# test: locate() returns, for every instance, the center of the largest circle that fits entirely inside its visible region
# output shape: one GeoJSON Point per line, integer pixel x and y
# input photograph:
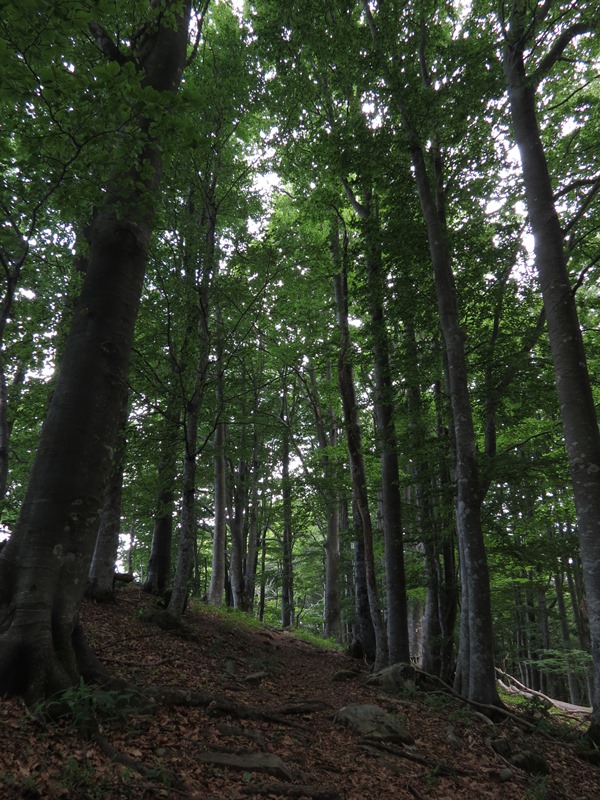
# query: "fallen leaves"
{"type": "Point", "coordinates": [284, 717]}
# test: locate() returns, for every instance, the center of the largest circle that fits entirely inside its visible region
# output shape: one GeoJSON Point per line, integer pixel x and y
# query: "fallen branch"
{"type": "Point", "coordinates": [522, 689]}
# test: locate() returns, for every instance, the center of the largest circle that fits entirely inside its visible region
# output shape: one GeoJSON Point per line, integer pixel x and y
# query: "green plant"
{"type": "Point", "coordinates": [539, 789]}
{"type": "Point", "coordinates": [318, 641]}
{"type": "Point", "coordinates": [85, 705]}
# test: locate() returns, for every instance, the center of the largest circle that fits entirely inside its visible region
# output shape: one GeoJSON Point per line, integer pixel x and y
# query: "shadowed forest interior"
{"type": "Point", "coordinates": [299, 316]}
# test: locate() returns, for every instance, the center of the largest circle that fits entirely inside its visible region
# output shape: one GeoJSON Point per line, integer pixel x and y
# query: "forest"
{"type": "Point", "coordinates": [299, 315]}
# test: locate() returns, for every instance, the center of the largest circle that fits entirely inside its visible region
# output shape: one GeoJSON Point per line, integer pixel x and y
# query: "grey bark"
{"type": "Point", "coordinates": [480, 683]}
{"type": "Point", "coordinates": [158, 574]}
{"type": "Point", "coordinates": [354, 442]}
{"type": "Point", "coordinates": [580, 424]}
{"type": "Point", "coordinates": [101, 576]}
{"type": "Point", "coordinates": [44, 566]}
{"type": "Point", "coordinates": [327, 438]}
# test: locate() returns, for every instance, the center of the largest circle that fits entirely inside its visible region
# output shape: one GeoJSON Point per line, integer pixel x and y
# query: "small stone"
{"type": "Point", "coordinates": [505, 775]}
{"type": "Point", "coordinates": [530, 762]}
{"type": "Point", "coordinates": [501, 746]}
{"type": "Point", "coordinates": [373, 722]}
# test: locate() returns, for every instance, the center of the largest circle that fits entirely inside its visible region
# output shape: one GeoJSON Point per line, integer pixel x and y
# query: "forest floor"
{"type": "Point", "coordinates": [266, 695]}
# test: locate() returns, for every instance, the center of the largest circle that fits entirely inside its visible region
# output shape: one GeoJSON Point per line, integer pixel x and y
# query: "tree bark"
{"type": "Point", "coordinates": [397, 609]}
{"type": "Point", "coordinates": [580, 424]}
{"type": "Point", "coordinates": [159, 565]}
{"type": "Point", "coordinates": [287, 572]}
{"type": "Point", "coordinates": [101, 576]}
{"type": "Point", "coordinates": [480, 683]}
{"type": "Point", "coordinates": [216, 588]}
{"type": "Point", "coordinates": [357, 466]}
{"type": "Point", "coordinates": [44, 566]}
{"type": "Point", "coordinates": [326, 439]}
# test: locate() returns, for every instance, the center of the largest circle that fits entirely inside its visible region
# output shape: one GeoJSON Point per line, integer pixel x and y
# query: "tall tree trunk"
{"type": "Point", "coordinates": [187, 529]}
{"type": "Point", "coordinates": [580, 424]}
{"type": "Point", "coordinates": [397, 609]}
{"type": "Point", "coordinates": [364, 639]}
{"type": "Point", "coordinates": [44, 566]}
{"type": "Point", "coordinates": [101, 576]}
{"type": "Point", "coordinates": [158, 574]}
{"type": "Point", "coordinates": [480, 683]}
{"type": "Point", "coordinates": [187, 526]}
{"type": "Point", "coordinates": [251, 562]}
{"type": "Point", "coordinates": [328, 439]}
{"type": "Point", "coordinates": [287, 574]}
{"type": "Point", "coordinates": [216, 588]}
{"type": "Point", "coordinates": [4, 435]}
{"type": "Point", "coordinates": [357, 465]}
{"type": "Point", "coordinates": [572, 682]}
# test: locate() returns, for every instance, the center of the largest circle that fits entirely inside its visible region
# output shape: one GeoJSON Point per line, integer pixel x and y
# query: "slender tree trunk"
{"type": "Point", "coordinates": [249, 578]}
{"type": "Point", "coordinates": [572, 682]}
{"type": "Point", "coordinates": [580, 424]}
{"type": "Point", "coordinates": [287, 574]}
{"type": "Point", "coordinates": [101, 576]}
{"type": "Point", "coordinates": [158, 574]}
{"type": "Point", "coordinates": [217, 581]}
{"type": "Point", "coordinates": [364, 639]}
{"type": "Point", "coordinates": [326, 440]}
{"type": "Point", "coordinates": [397, 609]}
{"type": "Point", "coordinates": [236, 513]}
{"type": "Point", "coordinates": [44, 566]}
{"type": "Point", "coordinates": [263, 574]}
{"type": "Point", "coordinates": [187, 528]}
{"type": "Point", "coordinates": [480, 683]}
{"type": "Point", "coordinates": [357, 466]}
{"type": "Point", "coordinates": [4, 434]}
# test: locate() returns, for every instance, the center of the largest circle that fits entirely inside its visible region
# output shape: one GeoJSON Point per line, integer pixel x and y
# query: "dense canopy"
{"type": "Point", "coordinates": [299, 315]}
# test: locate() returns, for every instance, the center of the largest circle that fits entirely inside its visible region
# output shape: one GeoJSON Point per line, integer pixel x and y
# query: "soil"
{"type": "Point", "coordinates": [260, 724]}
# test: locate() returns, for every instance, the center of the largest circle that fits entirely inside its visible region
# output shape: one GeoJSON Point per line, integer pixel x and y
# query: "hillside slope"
{"type": "Point", "coordinates": [263, 726]}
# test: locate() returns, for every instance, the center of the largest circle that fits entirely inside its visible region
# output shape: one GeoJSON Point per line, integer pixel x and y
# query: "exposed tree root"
{"type": "Point", "coordinates": [377, 748]}
{"type": "Point", "coordinates": [285, 790]}
{"type": "Point", "coordinates": [151, 773]}
{"type": "Point", "coordinates": [219, 706]}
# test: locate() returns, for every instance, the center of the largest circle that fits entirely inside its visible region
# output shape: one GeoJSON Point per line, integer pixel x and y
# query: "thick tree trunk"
{"type": "Point", "coordinates": [580, 424]}
{"type": "Point", "coordinates": [43, 568]}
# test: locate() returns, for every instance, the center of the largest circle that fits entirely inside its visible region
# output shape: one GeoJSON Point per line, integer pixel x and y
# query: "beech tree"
{"type": "Point", "coordinates": [580, 423]}
{"type": "Point", "coordinates": [43, 567]}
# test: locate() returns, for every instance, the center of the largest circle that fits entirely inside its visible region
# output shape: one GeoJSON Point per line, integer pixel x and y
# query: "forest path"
{"type": "Point", "coordinates": [266, 728]}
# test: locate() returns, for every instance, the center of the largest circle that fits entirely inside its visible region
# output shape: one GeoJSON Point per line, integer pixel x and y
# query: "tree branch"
{"type": "Point", "coordinates": [558, 48]}
{"type": "Point", "coordinates": [106, 45]}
